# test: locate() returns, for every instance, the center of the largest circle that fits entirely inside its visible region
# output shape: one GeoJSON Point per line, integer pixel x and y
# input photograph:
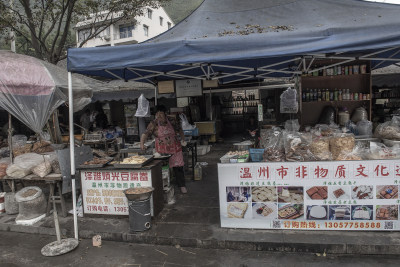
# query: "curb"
{"type": "Point", "coordinates": [270, 246]}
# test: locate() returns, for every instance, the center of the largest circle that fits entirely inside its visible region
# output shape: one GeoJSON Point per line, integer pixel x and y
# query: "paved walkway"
{"type": "Point", "coordinates": [193, 221]}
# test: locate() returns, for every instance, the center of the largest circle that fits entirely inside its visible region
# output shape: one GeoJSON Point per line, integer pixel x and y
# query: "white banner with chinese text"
{"type": "Point", "coordinates": [339, 195]}
{"type": "Point", "coordinates": [103, 190]}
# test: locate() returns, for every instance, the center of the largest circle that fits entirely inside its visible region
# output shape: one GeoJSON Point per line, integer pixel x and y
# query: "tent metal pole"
{"type": "Point", "coordinates": [155, 94]}
{"type": "Point", "coordinates": [72, 150]}
{"type": "Point", "coordinates": [10, 131]}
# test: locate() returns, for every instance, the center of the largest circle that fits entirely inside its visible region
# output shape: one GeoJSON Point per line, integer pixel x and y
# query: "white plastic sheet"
{"type": "Point", "coordinates": [31, 89]}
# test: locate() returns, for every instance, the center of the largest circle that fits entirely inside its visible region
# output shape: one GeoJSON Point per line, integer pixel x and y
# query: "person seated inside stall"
{"type": "Point", "coordinates": [166, 131]}
{"type": "Point", "coordinates": [252, 131]}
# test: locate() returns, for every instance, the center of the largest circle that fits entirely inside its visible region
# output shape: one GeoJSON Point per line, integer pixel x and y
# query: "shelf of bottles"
{"type": "Point", "coordinates": [313, 95]}
{"type": "Point", "coordinates": [240, 105]}
{"type": "Point", "coordinates": [340, 70]}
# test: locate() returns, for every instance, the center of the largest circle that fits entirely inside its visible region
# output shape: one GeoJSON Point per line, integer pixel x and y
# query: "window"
{"type": "Point", "coordinates": [125, 31]}
{"type": "Point", "coordinates": [161, 21]}
{"type": "Point", "coordinates": [84, 34]}
{"type": "Point", "coordinates": [149, 13]}
{"type": "Point", "coordinates": [169, 25]}
{"type": "Point", "coordinates": [146, 30]}
{"type": "Point", "coordinates": [105, 33]}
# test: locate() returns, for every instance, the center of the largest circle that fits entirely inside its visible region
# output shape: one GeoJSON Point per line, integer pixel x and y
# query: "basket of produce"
{"type": "Point", "coordinates": [138, 193]}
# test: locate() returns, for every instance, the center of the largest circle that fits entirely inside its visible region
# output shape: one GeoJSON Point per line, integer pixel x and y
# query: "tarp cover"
{"type": "Point", "coordinates": [31, 89]}
{"type": "Point", "coordinates": [250, 33]}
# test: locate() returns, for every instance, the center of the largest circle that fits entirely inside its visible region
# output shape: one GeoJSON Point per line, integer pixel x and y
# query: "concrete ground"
{"type": "Point", "coordinates": [193, 221]}
{"type": "Point", "coordinates": [18, 250]}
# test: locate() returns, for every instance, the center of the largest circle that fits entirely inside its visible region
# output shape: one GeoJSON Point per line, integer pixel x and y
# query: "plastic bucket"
{"type": "Point", "coordinates": [139, 215]}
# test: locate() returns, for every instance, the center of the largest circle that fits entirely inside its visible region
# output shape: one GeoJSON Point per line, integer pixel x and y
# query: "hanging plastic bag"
{"type": "Point", "coordinates": [143, 109]}
{"type": "Point", "coordinates": [185, 123]}
{"type": "Point", "coordinates": [289, 102]}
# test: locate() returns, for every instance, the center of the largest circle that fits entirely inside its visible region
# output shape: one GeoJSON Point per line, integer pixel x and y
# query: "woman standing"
{"type": "Point", "coordinates": [166, 132]}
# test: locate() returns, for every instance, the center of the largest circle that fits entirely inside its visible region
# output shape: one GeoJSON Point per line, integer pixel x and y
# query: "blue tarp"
{"type": "Point", "coordinates": [252, 33]}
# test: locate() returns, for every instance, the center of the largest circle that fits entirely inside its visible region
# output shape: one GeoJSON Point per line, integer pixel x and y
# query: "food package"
{"type": "Point", "coordinates": [297, 146]}
{"type": "Point", "coordinates": [292, 125]}
{"type": "Point", "coordinates": [364, 127]}
{"type": "Point", "coordinates": [24, 164]}
{"type": "Point", "coordinates": [16, 171]}
{"type": "Point", "coordinates": [42, 169]}
{"type": "Point", "coordinates": [42, 147]}
{"type": "Point", "coordinates": [325, 130]}
{"type": "Point", "coordinates": [380, 151]}
{"type": "Point", "coordinates": [320, 148]}
{"type": "Point", "coordinates": [358, 153]}
{"type": "Point", "coordinates": [4, 163]}
{"type": "Point", "coordinates": [275, 150]}
{"type": "Point", "coordinates": [389, 130]}
{"type": "Point", "coordinates": [341, 144]}
{"type": "Point", "coordinates": [328, 115]}
{"type": "Point", "coordinates": [19, 150]}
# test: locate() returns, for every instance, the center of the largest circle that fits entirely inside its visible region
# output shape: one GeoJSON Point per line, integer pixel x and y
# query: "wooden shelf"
{"type": "Point", "coordinates": [350, 76]}
{"type": "Point", "coordinates": [357, 83]}
{"type": "Point", "coordinates": [332, 102]}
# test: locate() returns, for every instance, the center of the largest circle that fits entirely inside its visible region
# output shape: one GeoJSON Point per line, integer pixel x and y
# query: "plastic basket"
{"type": "Point", "coordinates": [256, 154]}
{"type": "Point", "coordinates": [193, 132]}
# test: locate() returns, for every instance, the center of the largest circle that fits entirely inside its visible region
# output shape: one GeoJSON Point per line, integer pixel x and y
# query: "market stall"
{"type": "Point", "coordinates": [103, 184]}
{"type": "Point", "coordinates": [339, 32]}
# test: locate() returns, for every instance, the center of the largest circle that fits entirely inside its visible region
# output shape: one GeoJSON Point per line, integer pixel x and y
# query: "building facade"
{"type": "Point", "coordinates": [152, 23]}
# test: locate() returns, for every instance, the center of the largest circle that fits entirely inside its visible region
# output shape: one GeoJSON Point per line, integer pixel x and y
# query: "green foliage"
{"type": "Point", "coordinates": [43, 28]}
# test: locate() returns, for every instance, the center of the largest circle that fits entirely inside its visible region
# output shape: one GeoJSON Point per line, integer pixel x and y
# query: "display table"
{"type": "Point", "coordinates": [323, 195]}
{"type": "Point", "coordinates": [53, 180]}
{"type": "Point", "coordinates": [104, 142]}
{"type": "Point", "coordinates": [102, 188]}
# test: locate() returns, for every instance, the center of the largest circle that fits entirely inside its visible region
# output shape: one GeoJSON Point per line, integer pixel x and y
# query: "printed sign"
{"type": "Point", "coordinates": [341, 195]}
{"type": "Point", "coordinates": [190, 87]}
{"type": "Point", "coordinates": [103, 190]}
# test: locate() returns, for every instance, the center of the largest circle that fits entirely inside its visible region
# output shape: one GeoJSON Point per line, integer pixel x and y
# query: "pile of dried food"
{"type": "Point", "coordinates": [97, 161]}
{"type": "Point", "coordinates": [135, 160]}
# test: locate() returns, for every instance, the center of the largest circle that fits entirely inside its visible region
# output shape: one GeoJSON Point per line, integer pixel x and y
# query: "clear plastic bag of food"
{"type": "Point", "coordinates": [358, 153]}
{"type": "Point", "coordinates": [380, 151]}
{"type": "Point", "coordinates": [341, 143]}
{"type": "Point", "coordinates": [275, 150]}
{"type": "Point", "coordinates": [389, 130]}
{"type": "Point", "coordinates": [364, 128]}
{"type": "Point", "coordinates": [297, 146]}
{"type": "Point", "coordinates": [292, 125]}
{"type": "Point", "coordinates": [320, 147]}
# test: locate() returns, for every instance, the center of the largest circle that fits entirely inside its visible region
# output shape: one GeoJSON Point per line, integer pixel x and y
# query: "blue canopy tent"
{"type": "Point", "coordinates": [237, 40]}
{"type": "Point", "coordinates": [234, 40]}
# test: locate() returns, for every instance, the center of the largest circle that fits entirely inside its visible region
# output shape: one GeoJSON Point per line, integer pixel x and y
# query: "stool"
{"type": "Point", "coordinates": [56, 199]}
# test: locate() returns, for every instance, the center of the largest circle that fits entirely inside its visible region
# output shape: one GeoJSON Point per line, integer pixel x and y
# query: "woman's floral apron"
{"type": "Point", "coordinates": [167, 143]}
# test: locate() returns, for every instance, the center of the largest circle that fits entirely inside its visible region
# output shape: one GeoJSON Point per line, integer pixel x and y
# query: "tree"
{"type": "Point", "coordinates": [43, 28]}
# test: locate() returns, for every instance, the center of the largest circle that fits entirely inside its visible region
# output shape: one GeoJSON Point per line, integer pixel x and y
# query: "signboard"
{"type": "Point", "coordinates": [260, 112]}
{"type": "Point", "coordinates": [210, 83]}
{"type": "Point", "coordinates": [340, 195]}
{"type": "Point", "coordinates": [166, 87]}
{"type": "Point", "coordinates": [190, 87]}
{"type": "Point", "coordinates": [103, 190]}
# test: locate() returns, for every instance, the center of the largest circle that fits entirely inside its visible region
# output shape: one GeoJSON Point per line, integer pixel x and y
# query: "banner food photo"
{"type": "Point", "coordinates": [350, 195]}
